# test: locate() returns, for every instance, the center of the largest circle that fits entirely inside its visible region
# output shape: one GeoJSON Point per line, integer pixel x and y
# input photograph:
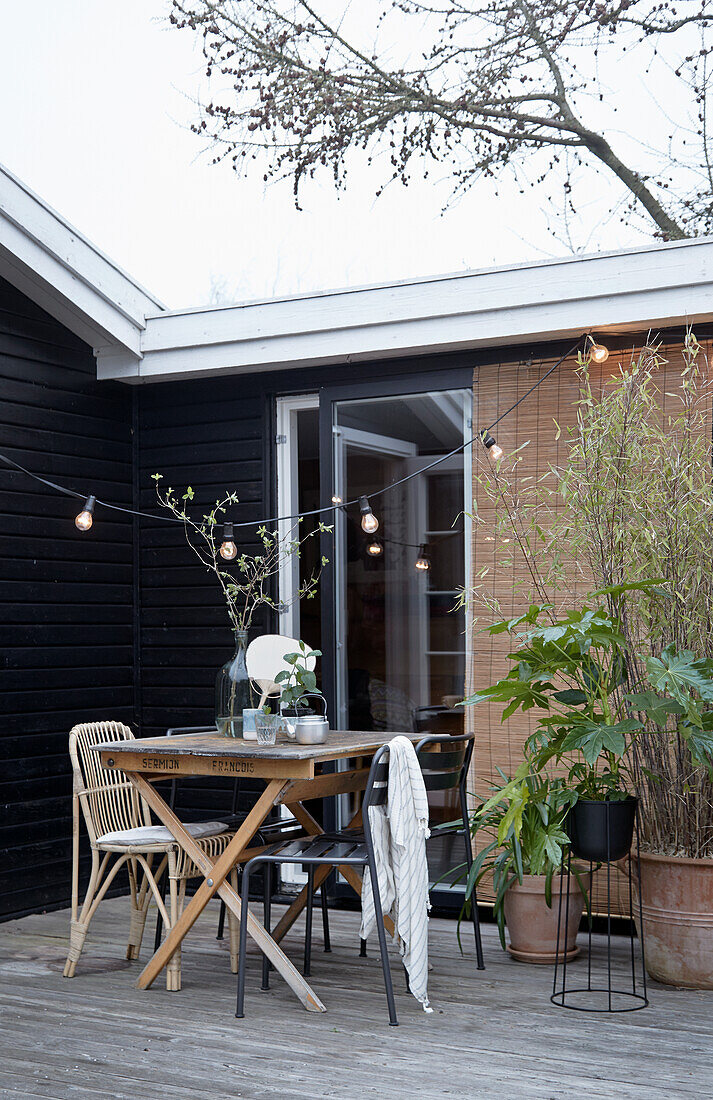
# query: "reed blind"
{"type": "Point", "coordinates": [507, 582]}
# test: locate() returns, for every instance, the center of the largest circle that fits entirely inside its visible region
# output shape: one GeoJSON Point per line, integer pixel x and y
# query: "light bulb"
{"type": "Point", "coordinates": [228, 550]}
{"type": "Point", "coordinates": [423, 562]}
{"type": "Point", "coordinates": [337, 500]}
{"type": "Point", "coordinates": [599, 353]}
{"type": "Point", "coordinates": [369, 522]}
{"type": "Point", "coordinates": [85, 518]}
{"type": "Point", "coordinates": [374, 548]}
{"type": "Point", "coordinates": [494, 452]}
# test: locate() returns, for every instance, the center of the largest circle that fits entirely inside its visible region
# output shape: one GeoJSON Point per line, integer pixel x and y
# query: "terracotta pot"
{"type": "Point", "coordinates": [533, 925]}
{"type": "Point", "coordinates": [677, 906]}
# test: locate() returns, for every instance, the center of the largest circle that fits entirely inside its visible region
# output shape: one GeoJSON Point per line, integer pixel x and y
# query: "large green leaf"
{"type": "Point", "coordinates": [571, 697]}
{"type": "Point", "coordinates": [635, 586]}
{"type": "Point", "coordinates": [700, 744]}
{"type": "Point", "coordinates": [655, 706]}
{"type": "Point", "coordinates": [511, 823]}
{"type": "Point", "coordinates": [592, 738]}
{"type": "Point", "coordinates": [676, 672]}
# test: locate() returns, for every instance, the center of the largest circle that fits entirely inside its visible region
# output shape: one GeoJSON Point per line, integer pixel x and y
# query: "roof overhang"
{"type": "Point", "coordinates": [656, 287]}
{"type": "Point", "coordinates": [62, 272]}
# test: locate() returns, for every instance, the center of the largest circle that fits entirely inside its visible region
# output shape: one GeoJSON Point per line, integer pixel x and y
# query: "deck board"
{"type": "Point", "coordinates": [492, 1034]}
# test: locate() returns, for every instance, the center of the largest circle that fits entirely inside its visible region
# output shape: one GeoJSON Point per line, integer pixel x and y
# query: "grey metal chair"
{"type": "Point", "coordinates": [356, 850]}
{"type": "Point", "coordinates": [445, 762]}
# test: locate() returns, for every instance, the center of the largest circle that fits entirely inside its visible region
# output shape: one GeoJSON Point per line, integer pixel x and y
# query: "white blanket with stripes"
{"type": "Point", "coordinates": [400, 829]}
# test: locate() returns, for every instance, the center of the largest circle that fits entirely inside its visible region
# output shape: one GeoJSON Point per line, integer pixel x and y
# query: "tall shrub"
{"type": "Point", "coordinates": [638, 493]}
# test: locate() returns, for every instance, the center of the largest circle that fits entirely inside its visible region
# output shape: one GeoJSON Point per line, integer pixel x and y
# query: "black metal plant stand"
{"type": "Point", "coordinates": [600, 994]}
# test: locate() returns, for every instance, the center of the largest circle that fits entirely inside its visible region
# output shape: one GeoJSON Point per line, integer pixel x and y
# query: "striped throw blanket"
{"type": "Point", "coordinates": [400, 830]}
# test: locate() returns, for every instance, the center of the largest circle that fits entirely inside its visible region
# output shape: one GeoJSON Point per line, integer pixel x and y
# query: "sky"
{"type": "Point", "coordinates": [97, 99]}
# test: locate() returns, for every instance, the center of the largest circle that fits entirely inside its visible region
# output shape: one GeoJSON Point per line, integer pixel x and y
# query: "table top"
{"type": "Point", "coordinates": [338, 743]}
{"type": "Point", "coordinates": [200, 752]}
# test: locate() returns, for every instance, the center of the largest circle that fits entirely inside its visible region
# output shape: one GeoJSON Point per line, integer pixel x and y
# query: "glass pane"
{"type": "Point", "coordinates": [401, 651]}
{"type": "Point", "coordinates": [310, 611]}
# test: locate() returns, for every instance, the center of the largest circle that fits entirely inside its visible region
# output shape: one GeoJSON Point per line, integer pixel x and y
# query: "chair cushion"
{"type": "Point", "coordinates": [159, 834]}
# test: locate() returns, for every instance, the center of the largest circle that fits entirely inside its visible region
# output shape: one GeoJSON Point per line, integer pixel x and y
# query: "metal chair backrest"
{"type": "Point", "coordinates": [445, 760]}
{"type": "Point", "coordinates": [109, 801]}
{"type": "Point", "coordinates": [376, 791]}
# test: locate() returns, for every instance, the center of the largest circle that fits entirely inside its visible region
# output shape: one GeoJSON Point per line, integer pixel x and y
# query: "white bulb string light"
{"type": "Point", "coordinates": [86, 517]}
{"type": "Point", "coordinates": [367, 516]}
{"type": "Point", "coordinates": [423, 561]}
{"type": "Point", "coordinates": [228, 550]}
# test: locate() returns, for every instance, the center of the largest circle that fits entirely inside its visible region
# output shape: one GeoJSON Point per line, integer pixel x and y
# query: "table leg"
{"type": "Point", "coordinates": [214, 882]}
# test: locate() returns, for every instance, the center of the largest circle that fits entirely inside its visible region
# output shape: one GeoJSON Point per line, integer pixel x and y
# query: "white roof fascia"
{"type": "Point", "coordinates": [62, 272]}
{"type": "Point", "coordinates": [653, 287]}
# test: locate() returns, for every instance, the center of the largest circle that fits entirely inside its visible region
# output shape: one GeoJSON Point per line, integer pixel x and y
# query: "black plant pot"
{"type": "Point", "coordinates": [601, 832]}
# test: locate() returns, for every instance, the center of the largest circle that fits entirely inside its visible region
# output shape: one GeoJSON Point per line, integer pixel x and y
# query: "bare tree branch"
{"type": "Point", "coordinates": [476, 85]}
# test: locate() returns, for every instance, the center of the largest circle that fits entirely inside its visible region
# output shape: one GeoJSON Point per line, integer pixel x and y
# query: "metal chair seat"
{"type": "Point", "coordinates": [318, 850]}
{"type": "Point", "coordinates": [447, 829]}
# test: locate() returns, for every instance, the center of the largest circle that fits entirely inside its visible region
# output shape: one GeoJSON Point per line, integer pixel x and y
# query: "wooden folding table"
{"type": "Point", "coordinates": [292, 773]}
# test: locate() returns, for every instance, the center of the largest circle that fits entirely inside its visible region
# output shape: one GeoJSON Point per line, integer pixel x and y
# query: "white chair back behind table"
{"type": "Point", "coordinates": [265, 658]}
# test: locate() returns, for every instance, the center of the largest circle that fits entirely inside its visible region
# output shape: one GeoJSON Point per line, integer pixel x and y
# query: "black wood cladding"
{"type": "Point", "coordinates": [120, 622]}
{"type": "Point", "coordinates": [66, 598]}
{"type": "Point", "coordinates": [213, 436]}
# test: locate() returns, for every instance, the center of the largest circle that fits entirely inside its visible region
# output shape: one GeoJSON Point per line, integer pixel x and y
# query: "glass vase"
{"type": "Point", "coordinates": [233, 693]}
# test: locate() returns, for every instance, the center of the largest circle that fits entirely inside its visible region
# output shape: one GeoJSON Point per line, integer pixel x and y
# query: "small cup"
{"type": "Point", "coordinates": [266, 726]}
{"type": "Point", "coordinates": [249, 733]}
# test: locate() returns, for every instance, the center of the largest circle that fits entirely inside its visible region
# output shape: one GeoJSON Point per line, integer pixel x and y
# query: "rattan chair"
{"type": "Point", "coordinates": [113, 810]}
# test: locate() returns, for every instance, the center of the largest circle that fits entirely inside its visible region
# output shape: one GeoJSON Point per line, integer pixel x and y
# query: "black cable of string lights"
{"type": "Point", "coordinates": [482, 435]}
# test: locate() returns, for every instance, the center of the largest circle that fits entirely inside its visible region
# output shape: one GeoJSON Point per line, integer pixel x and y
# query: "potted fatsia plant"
{"type": "Point", "coordinates": [570, 668]}
{"type": "Point", "coordinates": [574, 669]}
{"type": "Point", "coordinates": [246, 582]}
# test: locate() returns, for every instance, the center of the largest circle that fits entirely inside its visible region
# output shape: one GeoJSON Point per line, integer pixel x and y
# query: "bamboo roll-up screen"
{"type": "Point", "coordinates": [540, 422]}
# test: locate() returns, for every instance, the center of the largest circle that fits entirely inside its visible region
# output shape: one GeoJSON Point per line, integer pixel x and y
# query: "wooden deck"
{"type": "Point", "coordinates": [492, 1034]}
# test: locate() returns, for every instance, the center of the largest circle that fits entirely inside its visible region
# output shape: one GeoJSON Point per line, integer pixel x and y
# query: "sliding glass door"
{"type": "Point", "coordinates": [393, 638]}
{"type": "Point", "coordinates": [400, 651]}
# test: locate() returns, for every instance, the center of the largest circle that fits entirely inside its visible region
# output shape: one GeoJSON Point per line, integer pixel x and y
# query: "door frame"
{"type": "Point", "coordinates": [286, 464]}
{"type": "Point", "coordinates": [451, 378]}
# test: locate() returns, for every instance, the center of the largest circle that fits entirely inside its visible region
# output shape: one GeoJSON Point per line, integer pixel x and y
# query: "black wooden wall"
{"type": "Point", "coordinates": [213, 438]}
{"type": "Point", "coordinates": [66, 598]}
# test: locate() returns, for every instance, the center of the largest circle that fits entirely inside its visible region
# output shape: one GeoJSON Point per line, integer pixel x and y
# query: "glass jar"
{"type": "Point", "coordinates": [233, 692]}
